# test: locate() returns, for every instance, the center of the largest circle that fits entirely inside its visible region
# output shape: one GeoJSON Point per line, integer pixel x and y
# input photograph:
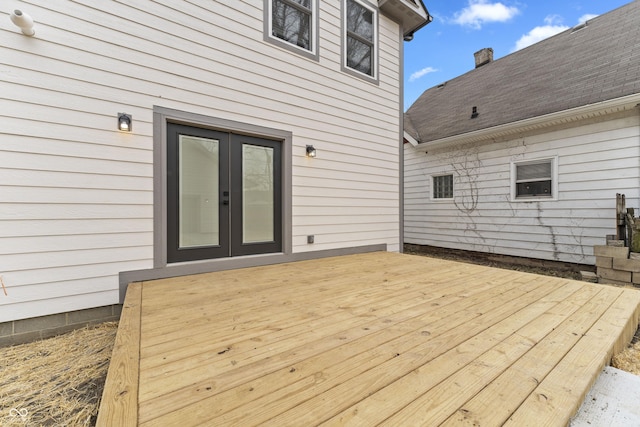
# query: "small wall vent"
{"type": "Point", "coordinates": [579, 27]}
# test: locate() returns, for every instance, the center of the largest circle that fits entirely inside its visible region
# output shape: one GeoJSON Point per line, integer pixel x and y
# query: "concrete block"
{"type": "Point", "coordinates": [40, 323]}
{"type": "Point", "coordinates": [6, 329]}
{"type": "Point", "coordinates": [20, 338]}
{"type": "Point", "coordinates": [611, 251]}
{"type": "Point", "coordinates": [90, 315]}
{"type": "Point", "coordinates": [57, 331]}
{"type": "Point", "coordinates": [635, 277]}
{"type": "Point", "coordinates": [117, 310]}
{"type": "Point", "coordinates": [605, 261]}
{"type": "Point", "coordinates": [634, 255]}
{"type": "Point", "coordinates": [617, 275]}
{"type": "Point", "coordinates": [616, 243]}
{"type": "Point", "coordinates": [626, 264]}
{"type": "Point", "coordinates": [589, 276]}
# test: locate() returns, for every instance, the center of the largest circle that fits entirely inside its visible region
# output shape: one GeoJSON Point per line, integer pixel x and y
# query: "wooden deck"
{"type": "Point", "coordinates": [362, 340]}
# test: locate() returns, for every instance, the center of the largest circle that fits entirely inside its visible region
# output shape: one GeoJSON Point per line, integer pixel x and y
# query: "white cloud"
{"type": "Point", "coordinates": [553, 20]}
{"type": "Point", "coordinates": [480, 12]}
{"type": "Point", "coordinates": [587, 17]}
{"type": "Point", "coordinates": [421, 73]}
{"type": "Point", "coordinates": [553, 25]}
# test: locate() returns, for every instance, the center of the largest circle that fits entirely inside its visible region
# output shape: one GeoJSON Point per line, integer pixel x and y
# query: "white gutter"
{"type": "Point", "coordinates": [552, 119]}
{"type": "Point", "coordinates": [410, 139]}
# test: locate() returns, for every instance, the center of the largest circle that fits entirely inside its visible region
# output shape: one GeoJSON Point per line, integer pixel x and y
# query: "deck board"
{"type": "Point", "coordinates": [370, 339]}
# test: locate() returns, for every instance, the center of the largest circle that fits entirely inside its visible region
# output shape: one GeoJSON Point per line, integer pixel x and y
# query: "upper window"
{"type": "Point", "coordinates": [292, 24]}
{"type": "Point", "coordinates": [360, 37]}
{"type": "Point", "coordinates": [534, 179]}
{"type": "Point", "coordinates": [443, 187]}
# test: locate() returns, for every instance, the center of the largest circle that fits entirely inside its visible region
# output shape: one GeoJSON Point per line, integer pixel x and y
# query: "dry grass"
{"type": "Point", "coordinates": [629, 359]}
{"type": "Point", "coordinates": [57, 381]}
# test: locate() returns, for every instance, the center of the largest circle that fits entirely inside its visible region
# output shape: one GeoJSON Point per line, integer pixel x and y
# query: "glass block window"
{"type": "Point", "coordinates": [443, 187]}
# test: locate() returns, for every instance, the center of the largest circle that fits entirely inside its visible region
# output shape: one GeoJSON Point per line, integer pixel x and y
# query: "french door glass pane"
{"type": "Point", "coordinates": [198, 191]}
{"type": "Point", "coordinates": [257, 194]}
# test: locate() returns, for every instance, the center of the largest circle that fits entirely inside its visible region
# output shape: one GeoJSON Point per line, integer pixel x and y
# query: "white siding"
{"type": "Point", "coordinates": [76, 196]}
{"type": "Point", "coordinates": [596, 160]}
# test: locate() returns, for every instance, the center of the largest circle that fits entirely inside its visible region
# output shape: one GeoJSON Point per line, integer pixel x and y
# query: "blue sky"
{"type": "Point", "coordinates": [444, 49]}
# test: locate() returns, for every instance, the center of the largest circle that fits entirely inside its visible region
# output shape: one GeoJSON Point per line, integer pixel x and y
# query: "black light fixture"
{"type": "Point", "coordinates": [311, 152]}
{"type": "Point", "coordinates": [125, 122]}
{"type": "Point", "coordinates": [474, 112]}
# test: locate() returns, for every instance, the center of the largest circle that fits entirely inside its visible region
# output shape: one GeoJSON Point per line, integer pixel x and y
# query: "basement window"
{"type": "Point", "coordinates": [442, 187]}
{"type": "Point", "coordinates": [534, 179]}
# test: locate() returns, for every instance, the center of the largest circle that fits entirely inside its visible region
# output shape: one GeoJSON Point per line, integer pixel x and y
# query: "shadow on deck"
{"type": "Point", "coordinates": [378, 338]}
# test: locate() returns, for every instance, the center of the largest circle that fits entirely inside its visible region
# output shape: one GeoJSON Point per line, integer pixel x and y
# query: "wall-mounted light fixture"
{"type": "Point", "coordinates": [22, 21]}
{"type": "Point", "coordinates": [125, 122]}
{"type": "Point", "coordinates": [311, 152]}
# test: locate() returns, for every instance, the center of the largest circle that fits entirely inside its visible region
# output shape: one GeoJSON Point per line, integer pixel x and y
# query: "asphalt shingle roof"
{"type": "Point", "coordinates": [577, 67]}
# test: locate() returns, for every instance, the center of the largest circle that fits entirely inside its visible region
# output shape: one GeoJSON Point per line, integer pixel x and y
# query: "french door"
{"type": "Point", "coordinates": [224, 194]}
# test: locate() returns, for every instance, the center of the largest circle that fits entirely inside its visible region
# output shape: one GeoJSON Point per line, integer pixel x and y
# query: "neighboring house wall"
{"type": "Point", "coordinates": [595, 160]}
{"type": "Point", "coordinates": [76, 196]}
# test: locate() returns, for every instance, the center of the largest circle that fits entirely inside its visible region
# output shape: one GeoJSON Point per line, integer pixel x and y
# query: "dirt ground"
{"type": "Point", "coordinates": [59, 381]}
{"type": "Point", "coordinates": [537, 266]}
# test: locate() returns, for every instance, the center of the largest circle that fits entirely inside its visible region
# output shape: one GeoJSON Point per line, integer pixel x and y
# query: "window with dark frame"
{"type": "Point", "coordinates": [292, 21]}
{"type": "Point", "coordinates": [443, 187]}
{"type": "Point", "coordinates": [534, 179]}
{"type": "Point", "coordinates": [360, 27]}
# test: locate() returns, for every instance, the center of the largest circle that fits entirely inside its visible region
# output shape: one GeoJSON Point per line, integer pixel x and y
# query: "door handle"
{"type": "Point", "coordinates": [225, 197]}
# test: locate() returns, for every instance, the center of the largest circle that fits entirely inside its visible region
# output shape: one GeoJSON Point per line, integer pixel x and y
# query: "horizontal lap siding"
{"type": "Point", "coordinates": [596, 160]}
{"type": "Point", "coordinates": [76, 201]}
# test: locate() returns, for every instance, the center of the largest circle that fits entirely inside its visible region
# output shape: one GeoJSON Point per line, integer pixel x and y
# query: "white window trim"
{"type": "Point", "coordinates": [312, 53]}
{"type": "Point", "coordinates": [432, 188]}
{"type": "Point", "coordinates": [554, 180]}
{"type": "Point", "coordinates": [373, 78]}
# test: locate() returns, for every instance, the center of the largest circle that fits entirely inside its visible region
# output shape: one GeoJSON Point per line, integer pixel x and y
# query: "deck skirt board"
{"type": "Point", "coordinates": [368, 339]}
{"type": "Point", "coordinates": [121, 408]}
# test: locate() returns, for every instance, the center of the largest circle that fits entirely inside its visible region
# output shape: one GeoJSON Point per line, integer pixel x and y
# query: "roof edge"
{"type": "Point", "coordinates": [565, 116]}
{"type": "Point", "coordinates": [411, 14]}
{"type": "Point", "coordinates": [410, 139]}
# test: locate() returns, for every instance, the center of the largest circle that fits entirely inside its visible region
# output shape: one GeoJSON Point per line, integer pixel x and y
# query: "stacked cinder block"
{"type": "Point", "coordinates": [617, 266]}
